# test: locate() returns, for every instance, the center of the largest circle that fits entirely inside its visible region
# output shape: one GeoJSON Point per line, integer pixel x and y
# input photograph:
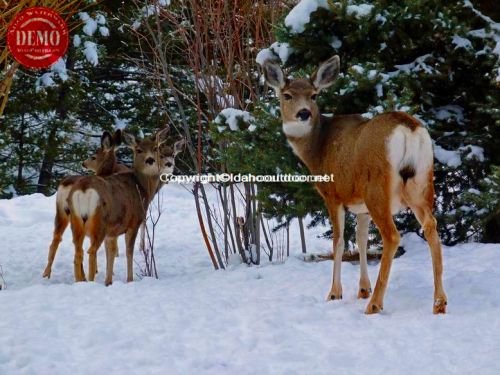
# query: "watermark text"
{"type": "Point", "coordinates": [240, 177]}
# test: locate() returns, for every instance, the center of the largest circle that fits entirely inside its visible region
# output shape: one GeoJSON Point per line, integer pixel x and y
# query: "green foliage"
{"type": "Point", "coordinates": [264, 151]}
{"type": "Point", "coordinates": [416, 56]}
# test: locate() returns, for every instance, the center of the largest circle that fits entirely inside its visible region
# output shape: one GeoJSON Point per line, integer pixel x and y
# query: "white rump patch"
{"type": "Point", "coordinates": [410, 148]}
{"type": "Point", "coordinates": [297, 128]}
{"type": "Point", "coordinates": [85, 202]}
{"type": "Point", "coordinates": [62, 197]}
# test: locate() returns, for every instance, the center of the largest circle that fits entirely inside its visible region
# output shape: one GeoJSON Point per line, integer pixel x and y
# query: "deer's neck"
{"type": "Point", "coordinates": [148, 186]}
{"type": "Point", "coordinates": [308, 147]}
{"type": "Point", "coordinates": [108, 167]}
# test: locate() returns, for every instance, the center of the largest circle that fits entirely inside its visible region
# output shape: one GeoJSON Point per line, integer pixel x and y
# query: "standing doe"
{"type": "Point", "coordinates": [102, 163]}
{"type": "Point", "coordinates": [380, 166]}
{"type": "Point", "coordinates": [103, 208]}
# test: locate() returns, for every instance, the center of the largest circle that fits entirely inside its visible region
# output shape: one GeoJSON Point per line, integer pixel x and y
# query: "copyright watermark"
{"type": "Point", "coordinates": [230, 177]}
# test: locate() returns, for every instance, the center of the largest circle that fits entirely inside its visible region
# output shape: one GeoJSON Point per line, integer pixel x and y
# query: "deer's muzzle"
{"type": "Point", "coordinates": [304, 114]}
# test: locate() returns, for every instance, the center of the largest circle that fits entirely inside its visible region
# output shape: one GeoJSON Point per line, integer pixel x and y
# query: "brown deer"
{"type": "Point", "coordinates": [380, 166]}
{"type": "Point", "coordinates": [102, 163]}
{"type": "Point", "coordinates": [103, 208]}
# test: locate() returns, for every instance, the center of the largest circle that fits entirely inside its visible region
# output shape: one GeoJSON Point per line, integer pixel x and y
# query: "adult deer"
{"type": "Point", "coordinates": [106, 207]}
{"type": "Point", "coordinates": [380, 166]}
{"type": "Point", "coordinates": [102, 163]}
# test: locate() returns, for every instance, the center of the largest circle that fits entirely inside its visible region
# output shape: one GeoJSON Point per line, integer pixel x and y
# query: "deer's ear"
{"type": "Point", "coordinates": [326, 73]}
{"type": "Point", "coordinates": [128, 139]}
{"type": "Point", "coordinates": [106, 141]}
{"type": "Point", "coordinates": [179, 146]}
{"type": "Point", "coordinates": [161, 135]}
{"type": "Point", "coordinates": [274, 75]}
{"type": "Point", "coordinates": [117, 138]}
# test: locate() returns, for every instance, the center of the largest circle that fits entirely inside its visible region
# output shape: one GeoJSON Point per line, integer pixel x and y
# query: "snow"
{"type": "Point", "coordinates": [208, 83]}
{"type": "Point", "coordinates": [359, 11]}
{"type": "Point", "coordinates": [225, 101]}
{"type": "Point", "coordinates": [271, 319]}
{"type": "Point", "coordinates": [212, 85]}
{"type": "Point", "coordinates": [380, 18]}
{"type": "Point", "coordinates": [474, 152]}
{"type": "Point", "coordinates": [120, 123]}
{"type": "Point", "coordinates": [104, 31]}
{"type": "Point", "coordinates": [45, 80]}
{"type": "Point", "coordinates": [231, 117]}
{"type": "Point", "coordinates": [450, 158]}
{"type": "Point", "coordinates": [100, 19]}
{"type": "Point", "coordinates": [277, 49]}
{"type": "Point", "coordinates": [493, 34]}
{"type": "Point", "coordinates": [358, 69]}
{"type": "Point", "coordinates": [149, 10]}
{"type": "Point", "coordinates": [336, 42]}
{"type": "Point", "coordinates": [90, 25]}
{"type": "Point", "coordinates": [77, 40]}
{"type": "Point", "coordinates": [417, 65]}
{"type": "Point", "coordinates": [450, 112]}
{"type": "Point", "coordinates": [461, 42]}
{"type": "Point", "coordinates": [300, 15]}
{"type": "Point", "coordinates": [59, 67]}
{"type": "Point", "coordinates": [90, 52]}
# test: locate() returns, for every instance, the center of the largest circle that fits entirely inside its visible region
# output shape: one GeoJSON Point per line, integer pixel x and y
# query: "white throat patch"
{"type": "Point", "coordinates": [297, 128]}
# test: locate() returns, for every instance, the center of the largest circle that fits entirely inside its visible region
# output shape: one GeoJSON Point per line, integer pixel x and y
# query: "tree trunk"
{"type": "Point", "coordinates": [302, 236]}
{"type": "Point", "coordinates": [51, 151]}
{"type": "Point", "coordinates": [287, 239]}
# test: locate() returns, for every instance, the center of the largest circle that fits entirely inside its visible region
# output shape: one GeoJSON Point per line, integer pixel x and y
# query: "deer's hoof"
{"type": "Point", "coordinates": [373, 308]}
{"type": "Point", "coordinates": [334, 295]}
{"type": "Point", "coordinates": [364, 292]}
{"type": "Point", "coordinates": [439, 306]}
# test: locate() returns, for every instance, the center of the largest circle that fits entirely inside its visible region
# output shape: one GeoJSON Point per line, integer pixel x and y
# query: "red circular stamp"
{"type": "Point", "coordinates": [37, 37]}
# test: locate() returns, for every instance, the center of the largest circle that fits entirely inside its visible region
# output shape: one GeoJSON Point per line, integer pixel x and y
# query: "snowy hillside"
{"type": "Point", "coordinates": [271, 319]}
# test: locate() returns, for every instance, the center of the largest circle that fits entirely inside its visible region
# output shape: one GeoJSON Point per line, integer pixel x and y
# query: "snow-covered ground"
{"type": "Point", "coordinates": [271, 319]}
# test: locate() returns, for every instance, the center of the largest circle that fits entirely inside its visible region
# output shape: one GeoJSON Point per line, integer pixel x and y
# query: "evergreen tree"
{"type": "Point", "coordinates": [436, 60]}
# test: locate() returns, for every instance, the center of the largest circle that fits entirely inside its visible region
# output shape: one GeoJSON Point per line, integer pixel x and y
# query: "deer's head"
{"type": "Point", "coordinates": [299, 110]}
{"type": "Point", "coordinates": [168, 154]}
{"type": "Point", "coordinates": [104, 159]}
{"type": "Point", "coordinates": [147, 157]}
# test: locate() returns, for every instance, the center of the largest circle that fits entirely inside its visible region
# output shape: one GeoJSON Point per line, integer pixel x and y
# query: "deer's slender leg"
{"type": "Point", "coordinates": [130, 237]}
{"type": "Point", "coordinates": [77, 227]}
{"type": "Point", "coordinates": [61, 221]}
{"type": "Point", "coordinates": [363, 222]}
{"type": "Point", "coordinates": [378, 201]}
{"type": "Point", "coordinates": [111, 248]}
{"type": "Point", "coordinates": [337, 217]}
{"type": "Point", "coordinates": [422, 208]}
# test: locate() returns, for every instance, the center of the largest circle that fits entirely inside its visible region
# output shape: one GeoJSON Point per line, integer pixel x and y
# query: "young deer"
{"type": "Point", "coordinates": [106, 207]}
{"type": "Point", "coordinates": [102, 163]}
{"type": "Point", "coordinates": [380, 166]}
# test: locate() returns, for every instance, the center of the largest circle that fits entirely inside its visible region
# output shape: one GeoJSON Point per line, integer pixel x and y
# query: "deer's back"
{"type": "Point", "coordinates": [356, 153]}
{"type": "Point", "coordinates": [121, 200]}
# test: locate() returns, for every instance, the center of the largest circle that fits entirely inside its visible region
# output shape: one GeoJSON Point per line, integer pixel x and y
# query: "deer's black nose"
{"type": "Point", "coordinates": [150, 161]}
{"type": "Point", "coordinates": [304, 114]}
{"type": "Point", "coordinates": [168, 164]}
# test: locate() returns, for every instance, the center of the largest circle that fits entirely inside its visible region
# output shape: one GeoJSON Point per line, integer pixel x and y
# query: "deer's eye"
{"type": "Point", "coordinates": [93, 158]}
{"type": "Point", "coordinates": [287, 96]}
{"type": "Point", "coordinates": [313, 97]}
{"type": "Point", "coordinates": [138, 150]}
